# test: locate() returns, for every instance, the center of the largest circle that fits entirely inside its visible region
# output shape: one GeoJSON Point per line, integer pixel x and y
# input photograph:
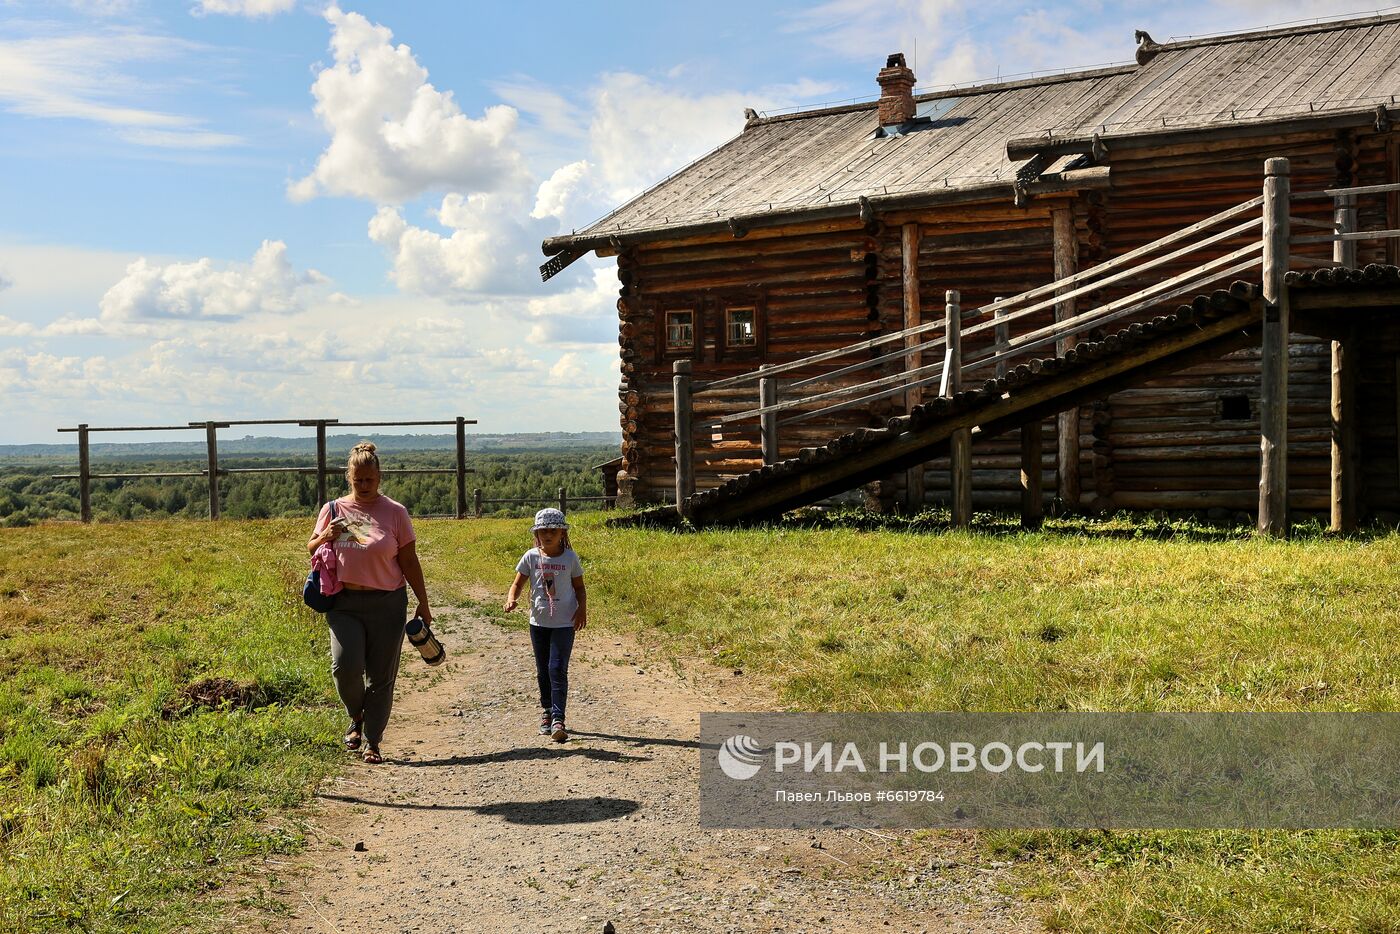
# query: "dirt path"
{"type": "Point", "coordinates": [477, 824]}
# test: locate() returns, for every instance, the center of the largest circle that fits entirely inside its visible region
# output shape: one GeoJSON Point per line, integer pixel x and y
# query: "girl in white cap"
{"type": "Point", "coordinates": [558, 609]}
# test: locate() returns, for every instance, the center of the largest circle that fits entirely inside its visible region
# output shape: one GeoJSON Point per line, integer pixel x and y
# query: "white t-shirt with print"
{"type": "Point", "coordinates": [552, 599]}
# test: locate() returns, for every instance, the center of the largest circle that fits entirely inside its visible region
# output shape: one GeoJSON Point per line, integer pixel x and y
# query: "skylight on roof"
{"type": "Point", "coordinates": [936, 108]}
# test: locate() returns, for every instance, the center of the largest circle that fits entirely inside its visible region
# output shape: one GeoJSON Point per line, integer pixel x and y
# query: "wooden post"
{"type": "Point", "coordinates": [320, 462]}
{"type": "Point", "coordinates": [84, 474]}
{"type": "Point", "coordinates": [211, 439]}
{"type": "Point", "coordinates": [1032, 498]}
{"type": "Point", "coordinates": [913, 317]}
{"type": "Point", "coordinates": [685, 450]}
{"type": "Point", "coordinates": [476, 501]}
{"type": "Point", "coordinates": [563, 501]}
{"type": "Point", "coordinates": [461, 467]}
{"type": "Point", "coordinates": [960, 444]}
{"type": "Point", "coordinates": [1032, 485]}
{"type": "Point", "coordinates": [1344, 466]}
{"type": "Point", "coordinates": [768, 421]}
{"type": "Point", "coordinates": [1001, 332]}
{"type": "Point", "coordinates": [1066, 264]}
{"type": "Point", "coordinates": [1273, 418]}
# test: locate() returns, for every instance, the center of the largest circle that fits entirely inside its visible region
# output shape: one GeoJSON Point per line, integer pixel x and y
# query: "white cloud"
{"type": "Point", "coordinates": [393, 135]}
{"type": "Point", "coordinates": [868, 30]}
{"type": "Point", "coordinates": [492, 248]}
{"type": "Point", "coordinates": [249, 8]}
{"type": "Point", "coordinates": [201, 290]}
{"type": "Point", "coordinates": [84, 77]}
{"type": "Point", "coordinates": [9, 327]}
{"type": "Point", "coordinates": [554, 195]}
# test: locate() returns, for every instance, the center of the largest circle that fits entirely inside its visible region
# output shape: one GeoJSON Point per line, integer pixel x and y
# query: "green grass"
{"type": "Point", "coordinates": [118, 803]}
{"type": "Point", "coordinates": [1117, 615]}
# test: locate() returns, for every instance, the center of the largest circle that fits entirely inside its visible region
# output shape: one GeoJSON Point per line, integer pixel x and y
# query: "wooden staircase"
{"type": "Point", "coordinates": [1025, 369]}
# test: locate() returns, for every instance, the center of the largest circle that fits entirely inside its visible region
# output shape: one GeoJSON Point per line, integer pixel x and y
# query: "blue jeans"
{"type": "Point", "coordinates": [552, 647]}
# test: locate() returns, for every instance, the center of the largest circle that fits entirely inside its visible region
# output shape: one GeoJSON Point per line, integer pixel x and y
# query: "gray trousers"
{"type": "Point", "coordinates": [366, 638]}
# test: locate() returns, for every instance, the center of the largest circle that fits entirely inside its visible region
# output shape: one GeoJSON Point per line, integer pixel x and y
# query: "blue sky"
{"type": "Point", "coordinates": [273, 208]}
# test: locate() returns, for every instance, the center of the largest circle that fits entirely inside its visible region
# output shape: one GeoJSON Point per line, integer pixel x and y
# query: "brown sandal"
{"type": "Point", "coordinates": [353, 736]}
{"type": "Point", "coordinates": [372, 756]}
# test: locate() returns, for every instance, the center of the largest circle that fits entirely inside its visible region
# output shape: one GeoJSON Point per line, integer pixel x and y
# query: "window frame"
{"type": "Point", "coordinates": [676, 350]}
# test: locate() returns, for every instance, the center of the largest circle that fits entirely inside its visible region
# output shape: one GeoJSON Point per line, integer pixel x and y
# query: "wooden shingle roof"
{"type": "Point", "coordinates": [980, 138]}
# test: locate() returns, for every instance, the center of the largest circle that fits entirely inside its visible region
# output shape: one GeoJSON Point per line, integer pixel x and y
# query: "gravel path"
{"type": "Point", "coordinates": [475, 823]}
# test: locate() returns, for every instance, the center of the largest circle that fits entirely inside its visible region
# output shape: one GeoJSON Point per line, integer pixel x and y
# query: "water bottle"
{"type": "Point", "coordinates": [424, 641]}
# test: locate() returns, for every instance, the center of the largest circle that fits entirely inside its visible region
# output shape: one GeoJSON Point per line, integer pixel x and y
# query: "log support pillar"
{"type": "Point", "coordinates": [1273, 418]}
{"type": "Point", "coordinates": [1032, 500]}
{"type": "Point", "coordinates": [685, 451]}
{"type": "Point", "coordinates": [909, 246]}
{"type": "Point", "coordinates": [960, 444]}
{"type": "Point", "coordinates": [211, 440]}
{"type": "Point", "coordinates": [1344, 414]}
{"type": "Point", "coordinates": [84, 474]}
{"type": "Point", "coordinates": [1067, 422]}
{"type": "Point", "coordinates": [768, 421]}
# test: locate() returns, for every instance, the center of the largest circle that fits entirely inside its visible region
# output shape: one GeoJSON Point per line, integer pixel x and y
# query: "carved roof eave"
{"type": "Point", "coordinates": [607, 243]}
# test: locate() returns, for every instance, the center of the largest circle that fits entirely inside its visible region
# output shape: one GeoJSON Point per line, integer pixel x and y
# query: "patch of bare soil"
{"type": "Point", "coordinates": [476, 823]}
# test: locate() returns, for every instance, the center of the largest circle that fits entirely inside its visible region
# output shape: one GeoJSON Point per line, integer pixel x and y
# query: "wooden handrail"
{"type": "Point", "coordinates": [1118, 277]}
{"type": "Point", "coordinates": [1118, 261]}
{"type": "Point", "coordinates": [1334, 192]}
{"type": "Point", "coordinates": [825, 355]}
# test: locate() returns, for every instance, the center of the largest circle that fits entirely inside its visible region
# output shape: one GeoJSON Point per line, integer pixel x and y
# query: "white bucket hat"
{"type": "Point", "coordinates": [549, 519]}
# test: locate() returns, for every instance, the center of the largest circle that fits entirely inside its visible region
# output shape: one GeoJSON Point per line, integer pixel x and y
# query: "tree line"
{"type": "Point", "coordinates": [28, 492]}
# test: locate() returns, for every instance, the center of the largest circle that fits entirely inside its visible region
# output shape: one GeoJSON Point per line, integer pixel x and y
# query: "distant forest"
{"type": "Point", "coordinates": [506, 470]}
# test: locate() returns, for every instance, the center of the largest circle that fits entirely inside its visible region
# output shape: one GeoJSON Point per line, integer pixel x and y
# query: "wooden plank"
{"type": "Point", "coordinates": [685, 449]}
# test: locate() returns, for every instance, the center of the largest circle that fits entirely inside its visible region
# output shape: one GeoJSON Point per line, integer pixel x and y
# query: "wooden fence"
{"type": "Point", "coordinates": [984, 341]}
{"type": "Point", "coordinates": [321, 471]}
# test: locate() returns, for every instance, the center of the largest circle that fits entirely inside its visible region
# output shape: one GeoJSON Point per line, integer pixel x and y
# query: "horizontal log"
{"type": "Point", "coordinates": [1244, 501]}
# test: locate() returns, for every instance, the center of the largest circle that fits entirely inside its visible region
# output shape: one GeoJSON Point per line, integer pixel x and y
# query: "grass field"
{"type": "Point", "coordinates": [120, 798]}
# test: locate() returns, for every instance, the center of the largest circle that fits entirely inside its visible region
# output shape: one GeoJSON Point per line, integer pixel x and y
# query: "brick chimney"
{"type": "Point", "coordinates": [896, 91]}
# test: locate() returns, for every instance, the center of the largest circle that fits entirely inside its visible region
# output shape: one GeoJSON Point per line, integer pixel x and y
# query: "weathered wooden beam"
{"type": "Point", "coordinates": [84, 474]}
{"type": "Point", "coordinates": [211, 440]}
{"type": "Point", "coordinates": [685, 451]}
{"type": "Point", "coordinates": [768, 421]}
{"type": "Point", "coordinates": [960, 451]}
{"type": "Point", "coordinates": [913, 360]}
{"type": "Point", "coordinates": [1025, 147]}
{"type": "Point", "coordinates": [1344, 416]}
{"type": "Point", "coordinates": [1067, 422]}
{"type": "Point", "coordinates": [1273, 416]}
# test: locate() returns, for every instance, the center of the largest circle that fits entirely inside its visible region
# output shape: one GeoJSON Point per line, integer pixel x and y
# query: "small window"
{"type": "Point", "coordinates": [739, 328]}
{"type": "Point", "coordinates": [680, 330]}
{"type": "Point", "coordinates": [1234, 407]}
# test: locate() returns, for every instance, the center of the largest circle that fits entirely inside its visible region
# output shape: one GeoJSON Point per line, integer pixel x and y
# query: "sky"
{"type": "Point", "coordinates": [248, 209]}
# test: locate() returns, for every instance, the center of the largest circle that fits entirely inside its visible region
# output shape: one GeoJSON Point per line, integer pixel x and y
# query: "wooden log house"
{"type": "Point", "coordinates": [810, 231]}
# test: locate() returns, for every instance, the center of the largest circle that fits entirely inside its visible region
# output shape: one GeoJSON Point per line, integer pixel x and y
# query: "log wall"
{"type": "Point", "coordinates": [1190, 440]}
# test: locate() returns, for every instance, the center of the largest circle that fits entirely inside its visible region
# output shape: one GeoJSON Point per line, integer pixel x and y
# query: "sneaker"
{"type": "Point", "coordinates": [560, 734]}
{"type": "Point", "coordinates": [545, 723]}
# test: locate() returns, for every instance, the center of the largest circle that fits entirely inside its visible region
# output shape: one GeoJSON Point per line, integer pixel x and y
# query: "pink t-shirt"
{"type": "Point", "coordinates": [367, 552]}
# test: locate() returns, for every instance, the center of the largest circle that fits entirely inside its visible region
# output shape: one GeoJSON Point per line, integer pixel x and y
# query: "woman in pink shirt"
{"type": "Point", "coordinates": [375, 557]}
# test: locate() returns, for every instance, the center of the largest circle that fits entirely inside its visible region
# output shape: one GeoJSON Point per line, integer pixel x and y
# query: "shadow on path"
{"type": "Point", "coordinates": [537, 813]}
{"type": "Point", "coordinates": [526, 754]}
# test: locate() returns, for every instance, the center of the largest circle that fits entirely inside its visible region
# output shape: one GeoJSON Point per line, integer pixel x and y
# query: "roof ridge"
{"type": "Point", "coordinates": [1268, 32]}
{"type": "Point", "coordinates": [987, 87]}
